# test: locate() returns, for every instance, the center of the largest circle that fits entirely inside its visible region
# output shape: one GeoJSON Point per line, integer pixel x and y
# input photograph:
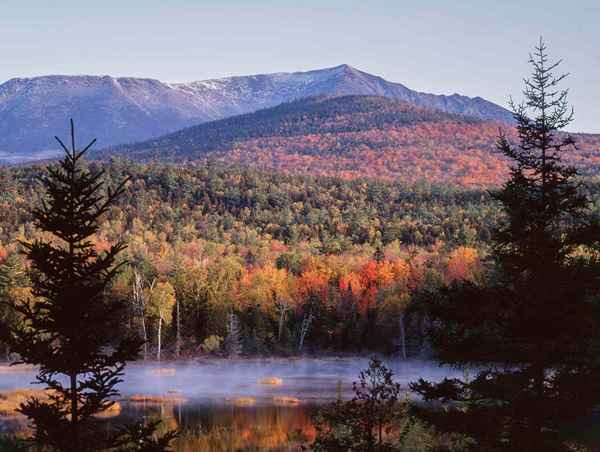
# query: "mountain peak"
{"type": "Point", "coordinates": [345, 67]}
{"type": "Point", "coordinates": [127, 109]}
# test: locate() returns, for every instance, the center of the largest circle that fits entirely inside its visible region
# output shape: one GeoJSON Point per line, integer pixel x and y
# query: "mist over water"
{"type": "Point", "coordinates": [223, 405]}
{"type": "Point", "coordinates": [309, 379]}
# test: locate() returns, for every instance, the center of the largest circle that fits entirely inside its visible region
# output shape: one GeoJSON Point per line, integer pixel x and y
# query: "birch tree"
{"type": "Point", "coordinates": [161, 303]}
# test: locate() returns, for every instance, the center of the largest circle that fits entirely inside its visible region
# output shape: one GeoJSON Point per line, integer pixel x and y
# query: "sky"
{"type": "Point", "coordinates": [471, 47]}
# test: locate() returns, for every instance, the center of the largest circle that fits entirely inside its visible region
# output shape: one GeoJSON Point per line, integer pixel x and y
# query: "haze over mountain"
{"type": "Point", "coordinates": [122, 110]}
{"type": "Point", "coordinates": [353, 136]}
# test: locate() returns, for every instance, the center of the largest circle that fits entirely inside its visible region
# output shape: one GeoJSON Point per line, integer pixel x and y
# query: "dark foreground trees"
{"type": "Point", "coordinates": [366, 421]}
{"type": "Point", "coordinates": [376, 420]}
{"type": "Point", "coordinates": [532, 334]}
{"type": "Point", "coordinates": [68, 327]}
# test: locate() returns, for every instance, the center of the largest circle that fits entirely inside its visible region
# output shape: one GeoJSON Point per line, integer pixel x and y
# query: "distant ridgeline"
{"type": "Point", "coordinates": [353, 137]}
{"type": "Point", "coordinates": [126, 109]}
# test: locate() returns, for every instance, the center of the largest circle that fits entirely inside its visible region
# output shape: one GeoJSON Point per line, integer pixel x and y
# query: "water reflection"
{"type": "Point", "coordinates": [225, 405]}
{"type": "Point", "coordinates": [216, 427]}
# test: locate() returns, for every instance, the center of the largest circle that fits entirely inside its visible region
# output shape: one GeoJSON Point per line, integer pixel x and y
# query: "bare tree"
{"type": "Point", "coordinates": [178, 328]}
{"type": "Point", "coordinates": [402, 336]}
{"type": "Point", "coordinates": [304, 329]}
{"type": "Point", "coordinates": [139, 303]}
{"type": "Point", "coordinates": [282, 306]}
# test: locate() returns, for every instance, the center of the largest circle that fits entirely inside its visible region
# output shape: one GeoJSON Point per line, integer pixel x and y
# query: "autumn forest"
{"type": "Point", "coordinates": [273, 250]}
{"type": "Point", "coordinates": [305, 238]}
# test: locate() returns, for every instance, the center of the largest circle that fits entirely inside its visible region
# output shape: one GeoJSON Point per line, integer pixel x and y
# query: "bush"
{"type": "Point", "coordinates": [212, 344]}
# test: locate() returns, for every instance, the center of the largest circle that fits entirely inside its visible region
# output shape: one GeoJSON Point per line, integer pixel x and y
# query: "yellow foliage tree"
{"type": "Point", "coordinates": [161, 297]}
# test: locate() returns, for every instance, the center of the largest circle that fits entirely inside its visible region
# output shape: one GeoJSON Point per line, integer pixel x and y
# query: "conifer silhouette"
{"type": "Point", "coordinates": [69, 330]}
{"type": "Point", "coordinates": [532, 332]}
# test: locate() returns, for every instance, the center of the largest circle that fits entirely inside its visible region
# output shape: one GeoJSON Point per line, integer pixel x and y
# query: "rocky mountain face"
{"type": "Point", "coordinates": [123, 110]}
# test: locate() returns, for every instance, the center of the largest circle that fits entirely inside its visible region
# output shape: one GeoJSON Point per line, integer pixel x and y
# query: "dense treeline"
{"type": "Point", "coordinates": [240, 261]}
{"type": "Point", "coordinates": [235, 205]}
{"type": "Point", "coordinates": [247, 262]}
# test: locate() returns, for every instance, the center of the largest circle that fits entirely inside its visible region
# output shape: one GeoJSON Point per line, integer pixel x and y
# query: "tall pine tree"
{"type": "Point", "coordinates": [69, 330]}
{"type": "Point", "coordinates": [532, 333]}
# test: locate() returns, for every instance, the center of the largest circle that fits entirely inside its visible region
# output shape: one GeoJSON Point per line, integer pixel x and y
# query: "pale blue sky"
{"type": "Point", "coordinates": [473, 47]}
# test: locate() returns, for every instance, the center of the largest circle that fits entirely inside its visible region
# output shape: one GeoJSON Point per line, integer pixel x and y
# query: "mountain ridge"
{"type": "Point", "coordinates": [297, 118]}
{"type": "Point", "coordinates": [352, 137]}
{"type": "Point", "coordinates": [128, 109]}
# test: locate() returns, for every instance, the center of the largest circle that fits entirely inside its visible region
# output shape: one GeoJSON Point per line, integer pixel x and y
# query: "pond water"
{"type": "Point", "coordinates": [231, 405]}
{"type": "Point", "coordinates": [225, 405]}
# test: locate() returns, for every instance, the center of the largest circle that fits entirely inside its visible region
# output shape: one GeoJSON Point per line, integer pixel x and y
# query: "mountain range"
{"type": "Point", "coordinates": [124, 110]}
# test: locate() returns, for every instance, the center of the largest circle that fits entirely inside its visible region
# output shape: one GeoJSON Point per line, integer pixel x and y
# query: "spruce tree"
{"type": "Point", "coordinates": [69, 330]}
{"type": "Point", "coordinates": [13, 278]}
{"type": "Point", "coordinates": [532, 332]}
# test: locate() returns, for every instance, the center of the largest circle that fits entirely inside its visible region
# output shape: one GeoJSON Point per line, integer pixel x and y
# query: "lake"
{"type": "Point", "coordinates": [224, 405]}
{"type": "Point", "coordinates": [249, 404]}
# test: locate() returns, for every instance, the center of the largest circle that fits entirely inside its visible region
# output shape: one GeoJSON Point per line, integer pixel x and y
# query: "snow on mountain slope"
{"type": "Point", "coordinates": [123, 110]}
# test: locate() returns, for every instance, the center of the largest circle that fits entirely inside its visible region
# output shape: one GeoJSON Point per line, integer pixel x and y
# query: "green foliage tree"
{"type": "Point", "coordinates": [533, 331]}
{"type": "Point", "coordinates": [68, 331]}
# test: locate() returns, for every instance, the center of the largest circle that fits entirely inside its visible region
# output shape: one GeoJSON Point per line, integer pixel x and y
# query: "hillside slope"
{"type": "Point", "coordinates": [352, 137]}
{"type": "Point", "coordinates": [123, 110]}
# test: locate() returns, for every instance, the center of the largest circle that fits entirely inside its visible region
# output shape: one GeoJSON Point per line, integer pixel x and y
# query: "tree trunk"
{"type": "Point", "coordinates": [140, 306]}
{"type": "Point", "coordinates": [145, 333]}
{"type": "Point", "coordinates": [281, 320]}
{"type": "Point", "coordinates": [178, 326]}
{"type": "Point", "coordinates": [74, 408]}
{"type": "Point", "coordinates": [159, 333]}
{"type": "Point", "coordinates": [304, 328]}
{"type": "Point", "coordinates": [539, 376]}
{"type": "Point", "coordinates": [424, 342]}
{"type": "Point", "coordinates": [402, 337]}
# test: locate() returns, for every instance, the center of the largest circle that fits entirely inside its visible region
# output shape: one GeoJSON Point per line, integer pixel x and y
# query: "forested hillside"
{"type": "Point", "coordinates": [219, 242]}
{"type": "Point", "coordinates": [354, 137]}
{"type": "Point", "coordinates": [226, 241]}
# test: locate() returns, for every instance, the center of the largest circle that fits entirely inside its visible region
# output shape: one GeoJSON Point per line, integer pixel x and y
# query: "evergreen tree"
{"type": "Point", "coordinates": [69, 330]}
{"type": "Point", "coordinates": [13, 283]}
{"type": "Point", "coordinates": [533, 331]}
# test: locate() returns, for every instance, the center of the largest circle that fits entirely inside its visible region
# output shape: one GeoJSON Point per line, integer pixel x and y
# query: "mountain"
{"type": "Point", "coordinates": [122, 110]}
{"type": "Point", "coordinates": [235, 95]}
{"type": "Point", "coordinates": [113, 110]}
{"type": "Point", "coordinates": [306, 117]}
{"type": "Point", "coordinates": [352, 137]}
